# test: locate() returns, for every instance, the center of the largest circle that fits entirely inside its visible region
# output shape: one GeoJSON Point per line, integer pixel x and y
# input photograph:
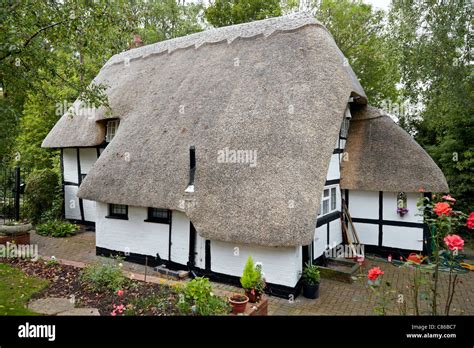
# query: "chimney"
{"type": "Point", "coordinates": [137, 41]}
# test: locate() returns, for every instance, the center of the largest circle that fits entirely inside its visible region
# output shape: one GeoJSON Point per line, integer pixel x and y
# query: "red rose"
{"type": "Point", "coordinates": [442, 208]}
{"type": "Point", "coordinates": [454, 242]}
{"type": "Point", "coordinates": [374, 273]}
{"type": "Point", "coordinates": [449, 198]}
{"type": "Point", "coordinates": [470, 221]}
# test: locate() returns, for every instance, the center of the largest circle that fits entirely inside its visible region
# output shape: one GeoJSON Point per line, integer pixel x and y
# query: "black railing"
{"type": "Point", "coordinates": [12, 188]}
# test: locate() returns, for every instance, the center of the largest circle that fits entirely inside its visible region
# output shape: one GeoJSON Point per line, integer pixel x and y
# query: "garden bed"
{"type": "Point", "coordinates": [139, 298]}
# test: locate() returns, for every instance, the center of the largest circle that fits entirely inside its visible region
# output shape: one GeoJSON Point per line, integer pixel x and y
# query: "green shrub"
{"type": "Point", "coordinates": [197, 298]}
{"type": "Point", "coordinates": [311, 275]}
{"type": "Point", "coordinates": [252, 276]}
{"type": "Point", "coordinates": [56, 228]}
{"type": "Point", "coordinates": [41, 191]}
{"type": "Point", "coordinates": [105, 276]}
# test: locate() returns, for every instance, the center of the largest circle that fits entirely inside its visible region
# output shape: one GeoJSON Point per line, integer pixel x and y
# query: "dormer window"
{"type": "Point", "coordinates": [111, 129]}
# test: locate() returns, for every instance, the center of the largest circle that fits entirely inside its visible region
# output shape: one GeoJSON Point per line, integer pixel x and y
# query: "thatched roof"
{"type": "Point", "coordinates": [278, 86]}
{"type": "Point", "coordinates": [383, 157]}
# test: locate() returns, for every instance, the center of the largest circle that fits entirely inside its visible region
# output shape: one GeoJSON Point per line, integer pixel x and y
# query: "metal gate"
{"type": "Point", "coordinates": [12, 188]}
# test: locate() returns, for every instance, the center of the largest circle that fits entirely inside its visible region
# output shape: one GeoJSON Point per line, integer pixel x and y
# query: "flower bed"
{"type": "Point", "coordinates": [139, 298]}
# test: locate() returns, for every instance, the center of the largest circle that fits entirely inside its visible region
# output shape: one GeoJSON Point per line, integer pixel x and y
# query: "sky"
{"type": "Point", "coordinates": [379, 4]}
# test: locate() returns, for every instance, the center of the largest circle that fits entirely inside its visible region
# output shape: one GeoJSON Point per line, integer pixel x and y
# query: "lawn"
{"type": "Point", "coordinates": [16, 288]}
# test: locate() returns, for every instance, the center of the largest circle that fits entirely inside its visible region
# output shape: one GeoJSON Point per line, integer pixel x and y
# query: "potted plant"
{"type": "Point", "coordinates": [252, 281]}
{"type": "Point", "coordinates": [238, 302]}
{"type": "Point", "coordinates": [311, 279]}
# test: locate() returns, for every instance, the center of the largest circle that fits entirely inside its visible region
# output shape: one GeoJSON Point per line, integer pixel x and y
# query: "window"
{"type": "Point", "coordinates": [192, 169]}
{"type": "Point", "coordinates": [118, 211]}
{"type": "Point", "coordinates": [328, 201]}
{"type": "Point", "coordinates": [333, 198]}
{"type": "Point", "coordinates": [192, 164]}
{"type": "Point", "coordinates": [83, 176]}
{"type": "Point", "coordinates": [111, 130]}
{"type": "Point", "coordinates": [159, 215]}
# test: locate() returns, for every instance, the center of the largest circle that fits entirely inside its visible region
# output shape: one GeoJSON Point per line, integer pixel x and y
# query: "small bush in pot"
{"type": "Point", "coordinates": [311, 279]}
{"type": "Point", "coordinates": [252, 280]}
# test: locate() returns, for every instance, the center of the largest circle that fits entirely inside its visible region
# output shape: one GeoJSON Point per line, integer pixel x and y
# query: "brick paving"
{"type": "Point", "coordinates": [336, 298]}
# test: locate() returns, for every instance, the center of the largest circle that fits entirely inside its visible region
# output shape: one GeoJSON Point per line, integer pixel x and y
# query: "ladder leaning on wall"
{"type": "Point", "coordinates": [350, 235]}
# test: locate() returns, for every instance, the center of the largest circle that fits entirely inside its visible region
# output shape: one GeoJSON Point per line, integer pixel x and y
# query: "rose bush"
{"type": "Point", "coordinates": [442, 208]}
{"type": "Point", "coordinates": [374, 273]}
{"type": "Point", "coordinates": [454, 242]}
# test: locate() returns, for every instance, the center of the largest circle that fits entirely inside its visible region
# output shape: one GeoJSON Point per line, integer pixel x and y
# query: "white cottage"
{"type": "Point", "coordinates": [240, 141]}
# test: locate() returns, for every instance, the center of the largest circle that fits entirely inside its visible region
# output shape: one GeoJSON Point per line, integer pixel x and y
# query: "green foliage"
{"type": "Point", "coordinates": [41, 189]}
{"type": "Point", "coordinates": [197, 298]}
{"type": "Point", "coordinates": [56, 228]}
{"type": "Point", "coordinates": [359, 32]}
{"type": "Point", "coordinates": [167, 19]}
{"type": "Point", "coordinates": [227, 12]}
{"type": "Point", "coordinates": [433, 41]}
{"type": "Point", "coordinates": [250, 275]}
{"type": "Point", "coordinates": [310, 275]}
{"type": "Point", "coordinates": [51, 51]}
{"type": "Point", "coordinates": [105, 276]}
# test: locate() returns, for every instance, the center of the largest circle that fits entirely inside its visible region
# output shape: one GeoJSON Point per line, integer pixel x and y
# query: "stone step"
{"type": "Point", "coordinates": [171, 274]}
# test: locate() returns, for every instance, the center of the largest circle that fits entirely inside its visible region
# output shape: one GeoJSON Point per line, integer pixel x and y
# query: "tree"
{"type": "Point", "coordinates": [221, 13]}
{"type": "Point", "coordinates": [52, 51]}
{"type": "Point", "coordinates": [433, 39]}
{"type": "Point", "coordinates": [360, 33]}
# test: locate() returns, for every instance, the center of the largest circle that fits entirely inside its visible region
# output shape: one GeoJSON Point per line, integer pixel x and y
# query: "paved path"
{"type": "Point", "coordinates": [336, 298]}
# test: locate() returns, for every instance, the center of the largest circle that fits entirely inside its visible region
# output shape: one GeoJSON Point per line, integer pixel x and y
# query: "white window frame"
{"type": "Point", "coordinates": [111, 128]}
{"type": "Point", "coordinates": [329, 199]}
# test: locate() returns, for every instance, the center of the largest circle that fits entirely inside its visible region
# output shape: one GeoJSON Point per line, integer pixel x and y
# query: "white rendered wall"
{"type": "Point", "coordinates": [390, 207]}
{"type": "Point", "coordinates": [88, 157]}
{"type": "Point", "coordinates": [320, 241]}
{"type": "Point", "coordinates": [180, 228]}
{"type": "Point", "coordinates": [132, 235]}
{"type": "Point", "coordinates": [71, 203]}
{"type": "Point", "coordinates": [364, 204]}
{"type": "Point", "coordinates": [70, 165]}
{"type": "Point", "coordinates": [90, 210]}
{"type": "Point", "coordinates": [335, 234]}
{"type": "Point", "coordinates": [333, 171]}
{"type": "Point", "coordinates": [200, 258]}
{"type": "Point", "coordinates": [280, 265]}
{"type": "Point", "coordinates": [368, 233]}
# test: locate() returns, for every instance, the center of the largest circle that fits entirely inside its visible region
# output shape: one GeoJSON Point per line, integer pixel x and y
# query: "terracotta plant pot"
{"type": "Point", "coordinates": [253, 298]}
{"type": "Point", "coordinates": [238, 302]}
